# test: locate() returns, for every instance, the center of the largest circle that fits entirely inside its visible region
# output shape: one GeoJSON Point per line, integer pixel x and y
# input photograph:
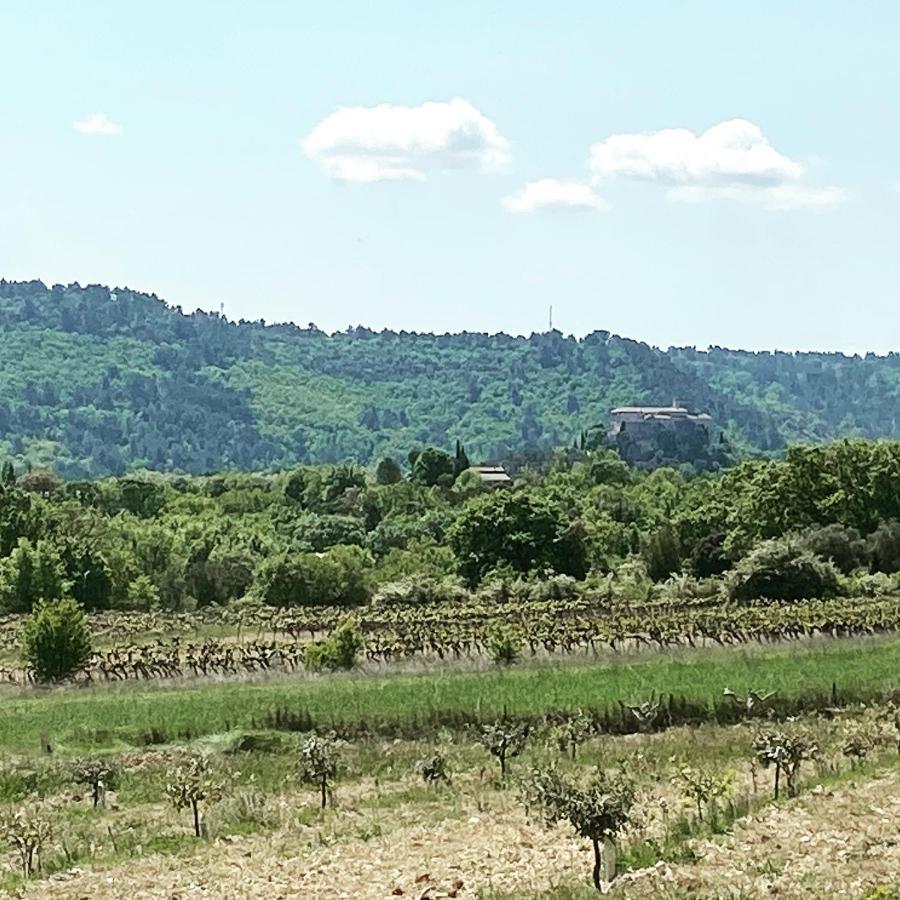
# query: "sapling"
{"type": "Point", "coordinates": [27, 831]}
{"type": "Point", "coordinates": [320, 757]}
{"type": "Point", "coordinates": [98, 774]}
{"type": "Point", "coordinates": [597, 811]}
{"type": "Point", "coordinates": [434, 769]}
{"type": "Point", "coordinates": [504, 740]}
{"type": "Point", "coordinates": [191, 784]}
{"type": "Point", "coordinates": [703, 787]}
{"type": "Point", "coordinates": [786, 751]}
{"type": "Point", "coordinates": [572, 732]}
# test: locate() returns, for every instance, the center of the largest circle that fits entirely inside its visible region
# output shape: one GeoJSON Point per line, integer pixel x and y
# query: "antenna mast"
{"type": "Point", "coordinates": [551, 318]}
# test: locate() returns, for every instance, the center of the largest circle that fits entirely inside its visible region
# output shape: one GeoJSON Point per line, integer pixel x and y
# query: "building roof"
{"type": "Point", "coordinates": [491, 473]}
{"type": "Point", "coordinates": [652, 410]}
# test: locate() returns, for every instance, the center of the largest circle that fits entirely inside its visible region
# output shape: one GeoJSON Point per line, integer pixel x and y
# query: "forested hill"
{"type": "Point", "coordinates": [96, 381]}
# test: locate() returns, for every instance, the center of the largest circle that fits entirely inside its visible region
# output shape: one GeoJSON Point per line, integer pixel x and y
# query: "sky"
{"type": "Point", "coordinates": [683, 173]}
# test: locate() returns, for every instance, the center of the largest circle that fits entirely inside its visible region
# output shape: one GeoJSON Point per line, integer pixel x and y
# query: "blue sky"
{"type": "Point", "coordinates": [198, 150]}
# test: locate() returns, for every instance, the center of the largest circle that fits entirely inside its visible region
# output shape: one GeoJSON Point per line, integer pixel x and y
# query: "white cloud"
{"type": "Point", "coordinates": [396, 143]}
{"type": "Point", "coordinates": [732, 160]}
{"type": "Point", "coordinates": [98, 123]}
{"type": "Point", "coordinates": [731, 152]}
{"type": "Point", "coordinates": [549, 193]}
{"type": "Point", "coordinates": [778, 197]}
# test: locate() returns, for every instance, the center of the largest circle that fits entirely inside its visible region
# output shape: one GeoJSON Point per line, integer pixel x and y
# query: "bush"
{"type": "Point", "coordinates": [780, 570]}
{"type": "Point", "coordinates": [338, 651]}
{"type": "Point", "coordinates": [56, 640]}
{"type": "Point", "coordinates": [884, 548]}
{"type": "Point", "coordinates": [504, 645]}
{"type": "Point", "coordinates": [841, 545]}
{"type": "Point", "coordinates": [338, 577]}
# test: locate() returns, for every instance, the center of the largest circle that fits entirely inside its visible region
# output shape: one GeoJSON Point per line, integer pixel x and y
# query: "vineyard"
{"type": "Point", "coordinates": [234, 641]}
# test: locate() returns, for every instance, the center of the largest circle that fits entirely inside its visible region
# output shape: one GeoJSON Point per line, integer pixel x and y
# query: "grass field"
{"type": "Point", "coordinates": [110, 716]}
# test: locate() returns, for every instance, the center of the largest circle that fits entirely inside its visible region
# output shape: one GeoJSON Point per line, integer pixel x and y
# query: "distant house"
{"type": "Point", "coordinates": [649, 436]}
{"type": "Point", "coordinates": [492, 475]}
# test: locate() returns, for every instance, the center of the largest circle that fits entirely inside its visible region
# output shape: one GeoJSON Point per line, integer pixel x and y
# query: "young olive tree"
{"type": "Point", "coordinates": [98, 774]}
{"type": "Point", "coordinates": [572, 732]}
{"type": "Point", "coordinates": [27, 831]}
{"type": "Point", "coordinates": [191, 784]}
{"type": "Point", "coordinates": [320, 759]}
{"type": "Point", "coordinates": [597, 811]}
{"type": "Point", "coordinates": [786, 751]}
{"type": "Point", "coordinates": [504, 740]}
{"type": "Point", "coordinates": [703, 788]}
{"type": "Point", "coordinates": [434, 769]}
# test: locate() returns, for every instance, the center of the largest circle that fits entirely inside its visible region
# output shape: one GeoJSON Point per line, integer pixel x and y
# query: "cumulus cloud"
{"type": "Point", "coordinates": [549, 193]}
{"type": "Point", "coordinates": [98, 123]}
{"type": "Point", "coordinates": [732, 160]}
{"type": "Point", "coordinates": [397, 143]}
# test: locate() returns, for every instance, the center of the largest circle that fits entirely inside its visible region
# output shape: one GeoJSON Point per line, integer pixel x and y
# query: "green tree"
{"type": "Point", "coordinates": [56, 639]}
{"type": "Point", "coordinates": [338, 577]}
{"type": "Point", "coordinates": [29, 574]}
{"type": "Point", "coordinates": [517, 530]}
{"type": "Point", "coordinates": [431, 465]}
{"type": "Point", "coordinates": [388, 472]}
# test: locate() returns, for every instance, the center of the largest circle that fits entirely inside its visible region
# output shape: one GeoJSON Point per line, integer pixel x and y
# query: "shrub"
{"type": "Point", "coordinates": [338, 651]}
{"type": "Point", "coordinates": [56, 640]}
{"type": "Point", "coordinates": [841, 545]}
{"type": "Point", "coordinates": [504, 645]}
{"type": "Point", "coordinates": [780, 570]}
{"type": "Point", "coordinates": [434, 769]}
{"type": "Point", "coordinates": [338, 577]}
{"type": "Point", "coordinates": [884, 547]}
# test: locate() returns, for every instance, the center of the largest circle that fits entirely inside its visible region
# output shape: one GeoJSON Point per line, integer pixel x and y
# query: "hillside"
{"type": "Point", "coordinates": [95, 381]}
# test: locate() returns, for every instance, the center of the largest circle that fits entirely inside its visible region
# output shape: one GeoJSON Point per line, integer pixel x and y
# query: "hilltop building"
{"type": "Point", "coordinates": [651, 436]}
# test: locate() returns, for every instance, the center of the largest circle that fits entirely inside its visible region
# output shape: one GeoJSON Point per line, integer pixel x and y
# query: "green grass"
{"type": "Point", "coordinates": [76, 719]}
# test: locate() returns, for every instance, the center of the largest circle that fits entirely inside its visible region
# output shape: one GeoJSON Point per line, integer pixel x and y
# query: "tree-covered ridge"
{"type": "Point", "coordinates": [96, 381]}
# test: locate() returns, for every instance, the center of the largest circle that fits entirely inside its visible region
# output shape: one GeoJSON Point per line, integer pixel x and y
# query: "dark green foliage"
{"type": "Point", "coordinates": [662, 553]}
{"type": "Point", "coordinates": [95, 382]}
{"type": "Point", "coordinates": [838, 543]}
{"type": "Point", "coordinates": [388, 471]}
{"type": "Point", "coordinates": [708, 557]}
{"type": "Point", "coordinates": [781, 570]}
{"type": "Point", "coordinates": [338, 577]}
{"type": "Point", "coordinates": [517, 530]}
{"type": "Point", "coordinates": [31, 573]}
{"type": "Point", "coordinates": [56, 640]}
{"type": "Point", "coordinates": [884, 547]}
{"type": "Point", "coordinates": [431, 465]}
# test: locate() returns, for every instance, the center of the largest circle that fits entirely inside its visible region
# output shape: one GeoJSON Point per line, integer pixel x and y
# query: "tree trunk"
{"type": "Point", "coordinates": [196, 810]}
{"type": "Point", "coordinates": [609, 860]}
{"type": "Point", "coordinates": [502, 765]}
{"type": "Point", "coordinates": [597, 863]}
{"type": "Point", "coordinates": [324, 793]}
{"type": "Point", "coordinates": [777, 778]}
